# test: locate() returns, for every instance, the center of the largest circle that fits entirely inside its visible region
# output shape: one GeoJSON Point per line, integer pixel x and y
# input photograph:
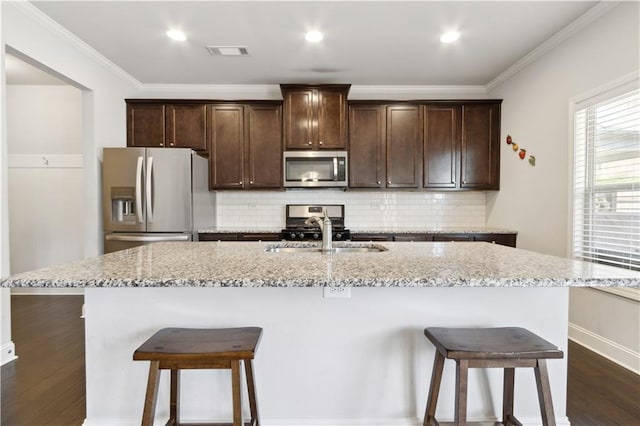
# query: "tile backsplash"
{"type": "Point", "coordinates": [363, 210]}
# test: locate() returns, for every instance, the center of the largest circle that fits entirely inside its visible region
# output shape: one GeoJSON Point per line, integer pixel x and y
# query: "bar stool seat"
{"type": "Point", "coordinates": [190, 348]}
{"type": "Point", "coordinates": [507, 348]}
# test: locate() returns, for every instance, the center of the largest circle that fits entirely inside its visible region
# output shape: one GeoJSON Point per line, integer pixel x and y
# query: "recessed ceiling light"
{"type": "Point", "coordinates": [313, 36]}
{"type": "Point", "coordinates": [176, 35]}
{"type": "Point", "coordinates": [450, 36]}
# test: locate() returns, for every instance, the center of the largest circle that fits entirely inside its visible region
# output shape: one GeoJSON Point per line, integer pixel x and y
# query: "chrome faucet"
{"type": "Point", "coordinates": [325, 226]}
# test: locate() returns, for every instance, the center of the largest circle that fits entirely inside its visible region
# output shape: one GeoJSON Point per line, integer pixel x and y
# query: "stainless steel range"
{"type": "Point", "coordinates": [298, 230]}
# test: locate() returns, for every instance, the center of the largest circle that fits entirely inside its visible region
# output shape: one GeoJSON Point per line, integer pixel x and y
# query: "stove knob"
{"type": "Point", "coordinates": [316, 235]}
{"type": "Point", "coordinates": [301, 235]}
{"type": "Point", "coordinates": [292, 235]}
{"type": "Point", "coordinates": [338, 236]}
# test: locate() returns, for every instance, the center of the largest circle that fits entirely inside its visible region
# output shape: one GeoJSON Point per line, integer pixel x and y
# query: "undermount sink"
{"type": "Point", "coordinates": [342, 248]}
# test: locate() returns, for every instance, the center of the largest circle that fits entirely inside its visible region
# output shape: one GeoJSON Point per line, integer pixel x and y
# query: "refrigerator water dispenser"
{"type": "Point", "coordinates": [123, 204]}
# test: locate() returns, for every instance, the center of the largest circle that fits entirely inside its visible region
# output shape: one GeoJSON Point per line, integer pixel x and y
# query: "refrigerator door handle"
{"type": "Point", "coordinates": [139, 190]}
{"type": "Point", "coordinates": [147, 238]}
{"type": "Point", "coordinates": [148, 187]}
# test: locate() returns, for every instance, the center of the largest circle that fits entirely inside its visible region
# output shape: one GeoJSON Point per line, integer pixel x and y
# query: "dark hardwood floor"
{"type": "Point", "coordinates": [46, 384]}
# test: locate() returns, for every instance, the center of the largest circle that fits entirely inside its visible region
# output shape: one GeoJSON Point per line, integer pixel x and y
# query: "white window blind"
{"type": "Point", "coordinates": [606, 209]}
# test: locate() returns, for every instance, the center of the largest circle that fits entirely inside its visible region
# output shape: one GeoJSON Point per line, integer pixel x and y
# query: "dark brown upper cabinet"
{"type": "Point", "coordinates": [404, 146]}
{"type": "Point", "coordinates": [385, 145]}
{"type": "Point", "coordinates": [245, 146]}
{"type": "Point", "coordinates": [226, 146]}
{"type": "Point", "coordinates": [186, 126]}
{"type": "Point", "coordinates": [480, 147]}
{"type": "Point", "coordinates": [367, 150]}
{"type": "Point", "coordinates": [145, 125]}
{"type": "Point", "coordinates": [437, 145]}
{"type": "Point", "coordinates": [442, 124]}
{"type": "Point", "coordinates": [263, 146]}
{"type": "Point", "coordinates": [315, 117]}
{"type": "Point", "coordinates": [159, 124]}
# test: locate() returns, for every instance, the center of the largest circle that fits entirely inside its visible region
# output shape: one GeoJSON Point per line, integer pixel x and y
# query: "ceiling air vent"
{"type": "Point", "coordinates": [228, 50]}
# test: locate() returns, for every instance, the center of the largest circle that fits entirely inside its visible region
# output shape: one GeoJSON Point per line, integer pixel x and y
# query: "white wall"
{"type": "Point", "coordinates": [535, 112]}
{"type": "Point", "coordinates": [30, 34]}
{"type": "Point", "coordinates": [45, 198]}
{"type": "Point", "coordinates": [7, 349]}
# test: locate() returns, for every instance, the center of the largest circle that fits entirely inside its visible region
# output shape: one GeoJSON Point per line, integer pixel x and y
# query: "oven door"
{"type": "Point", "coordinates": [315, 169]}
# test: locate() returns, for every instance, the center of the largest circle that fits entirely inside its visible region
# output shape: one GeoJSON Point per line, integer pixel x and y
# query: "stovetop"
{"type": "Point", "coordinates": [298, 214]}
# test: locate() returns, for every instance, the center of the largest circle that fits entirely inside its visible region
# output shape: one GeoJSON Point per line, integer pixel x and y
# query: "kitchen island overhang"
{"type": "Point", "coordinates": [358, 361]}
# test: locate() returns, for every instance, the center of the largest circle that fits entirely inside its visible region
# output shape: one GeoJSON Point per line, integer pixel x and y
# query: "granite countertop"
{"type": "Point", "coordinates": [240, 264]}
{"type": "Point", "coordinates": [455, 230]}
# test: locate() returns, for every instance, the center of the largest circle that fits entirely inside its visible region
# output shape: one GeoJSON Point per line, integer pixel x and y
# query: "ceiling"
{"type": "Point", "coordinates": [365, 42]}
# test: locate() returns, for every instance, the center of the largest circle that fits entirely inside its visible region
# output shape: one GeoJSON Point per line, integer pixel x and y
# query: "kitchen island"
{"type": "Point", "coordinates": [361, 360]}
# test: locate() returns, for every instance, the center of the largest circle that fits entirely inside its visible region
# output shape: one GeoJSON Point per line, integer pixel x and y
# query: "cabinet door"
{"type": "Point", "coordinates": [145, 125]}
{"type": "Point", "coordinates": [226, 141]}
{"type": "Point", "coordinates": [366, 146]}
{"type": "Point", "coordinates": [480, 150]}
{"type": "Point", "coordinates": [441, 141]}
{"type": "Point", "coordinates": [264, 146]}
{"type": "Point", "coordinates": [332, 119]}
{"type": "Point", "coordinates": [186, 126]}
{"type": "Point", "coordinates": [404, 146]}
{"type": "Point", "coordinates": [298, 107]}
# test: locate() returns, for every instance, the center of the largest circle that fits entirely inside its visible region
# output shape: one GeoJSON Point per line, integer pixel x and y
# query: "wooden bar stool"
{"type": "Point", "coordinates": [189, 348]}
{"type": "Point", "coordinates": [508, 348]}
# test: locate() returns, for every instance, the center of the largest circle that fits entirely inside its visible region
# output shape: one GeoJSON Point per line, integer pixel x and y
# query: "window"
{"type": "Point", "coordinates": [606, 209]}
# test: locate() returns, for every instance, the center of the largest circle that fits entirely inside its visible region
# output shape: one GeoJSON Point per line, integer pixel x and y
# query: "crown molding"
{"type": "Point", "coordinates": [36, 14]}
{"type": "Point", "coordinates": [564, 34]}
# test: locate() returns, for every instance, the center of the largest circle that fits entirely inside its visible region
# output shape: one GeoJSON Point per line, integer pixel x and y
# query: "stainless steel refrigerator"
{"type": "Point", "coordinates": [148, 195]}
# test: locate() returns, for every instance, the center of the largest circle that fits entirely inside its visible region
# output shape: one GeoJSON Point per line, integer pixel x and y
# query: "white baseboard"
{"type": "Point", "coordinates": [7, 353]}
{"type": "Point", "coordinates": [408, 421]}
{"type": "Point", "coordinates": [621, 355]}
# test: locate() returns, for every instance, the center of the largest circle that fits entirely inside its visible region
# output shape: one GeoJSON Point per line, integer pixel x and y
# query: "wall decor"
{"type": "Point", "coordinates": [522, 153]}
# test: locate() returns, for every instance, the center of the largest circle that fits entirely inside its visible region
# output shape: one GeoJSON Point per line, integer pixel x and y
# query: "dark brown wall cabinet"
{"type": "Point", "coordinates": [480, 149]}
{"type": "Point", "coordinates": [315, 117]}
{"type": "Point", "coordinates": [439, 146]}
{"type": "Point", "coordinates": [152, 124]}
{"type": "Point", "coordinates": [385, 146]}
{"type": "Point", "coordinates": [245, 146]}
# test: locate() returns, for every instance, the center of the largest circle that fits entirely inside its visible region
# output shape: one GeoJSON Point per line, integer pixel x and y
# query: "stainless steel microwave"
{"type": "Point", "coordinates": [315, 169]}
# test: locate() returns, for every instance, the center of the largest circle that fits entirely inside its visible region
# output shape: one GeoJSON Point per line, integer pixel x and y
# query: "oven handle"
{"type": "Point", "coordinates": [335, 168]}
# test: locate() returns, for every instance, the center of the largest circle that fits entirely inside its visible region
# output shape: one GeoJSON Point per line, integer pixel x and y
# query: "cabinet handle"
{"type": "Point", "coordinates": [320, 142]}
{"type": "Point", "coordinates": [170, 143]}
{"type": "Point", "coordinates": [388, 182]}
{"type": "Point", "coordinates": [251, 182]}
{"type": "Point", "coordinates": [464, 182]}
{"type": "Point", "coordinates": [310, 143]}
{"type": "Point", "coordinates": [161, 143]}
{"type": "Point", "coordinates": [379, 182]}
{"type": "Point", "coordinates": [453, 181]}
{"type": "Point", "coordinates": [240, 182]}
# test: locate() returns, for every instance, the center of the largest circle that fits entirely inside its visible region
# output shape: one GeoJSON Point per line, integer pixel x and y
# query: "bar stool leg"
{"type": "Point", "coordinates": [251, 389]}
{"type": "Point", "coordinates": [174, 400]}
{"type": "Point", "coordinates": [434, 389]}
{"type": "Point", "coordinates": [235, 390]}
{"type": "Point", "coordinates": [544, 393]}
{"type": "Point", "coordinates": [152, 394]}
{"type": "Point", "coordinates": [462, 374]}
{"type": "Point", "coordinates": [507, 396]}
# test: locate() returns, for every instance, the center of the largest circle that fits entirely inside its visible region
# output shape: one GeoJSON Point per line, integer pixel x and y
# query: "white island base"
{"type": "Point", "coordinates": [322, 362]}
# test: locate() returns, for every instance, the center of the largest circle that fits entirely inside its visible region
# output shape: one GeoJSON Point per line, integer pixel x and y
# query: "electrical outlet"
{"type": "Point", "coordinates": [337, 292]}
